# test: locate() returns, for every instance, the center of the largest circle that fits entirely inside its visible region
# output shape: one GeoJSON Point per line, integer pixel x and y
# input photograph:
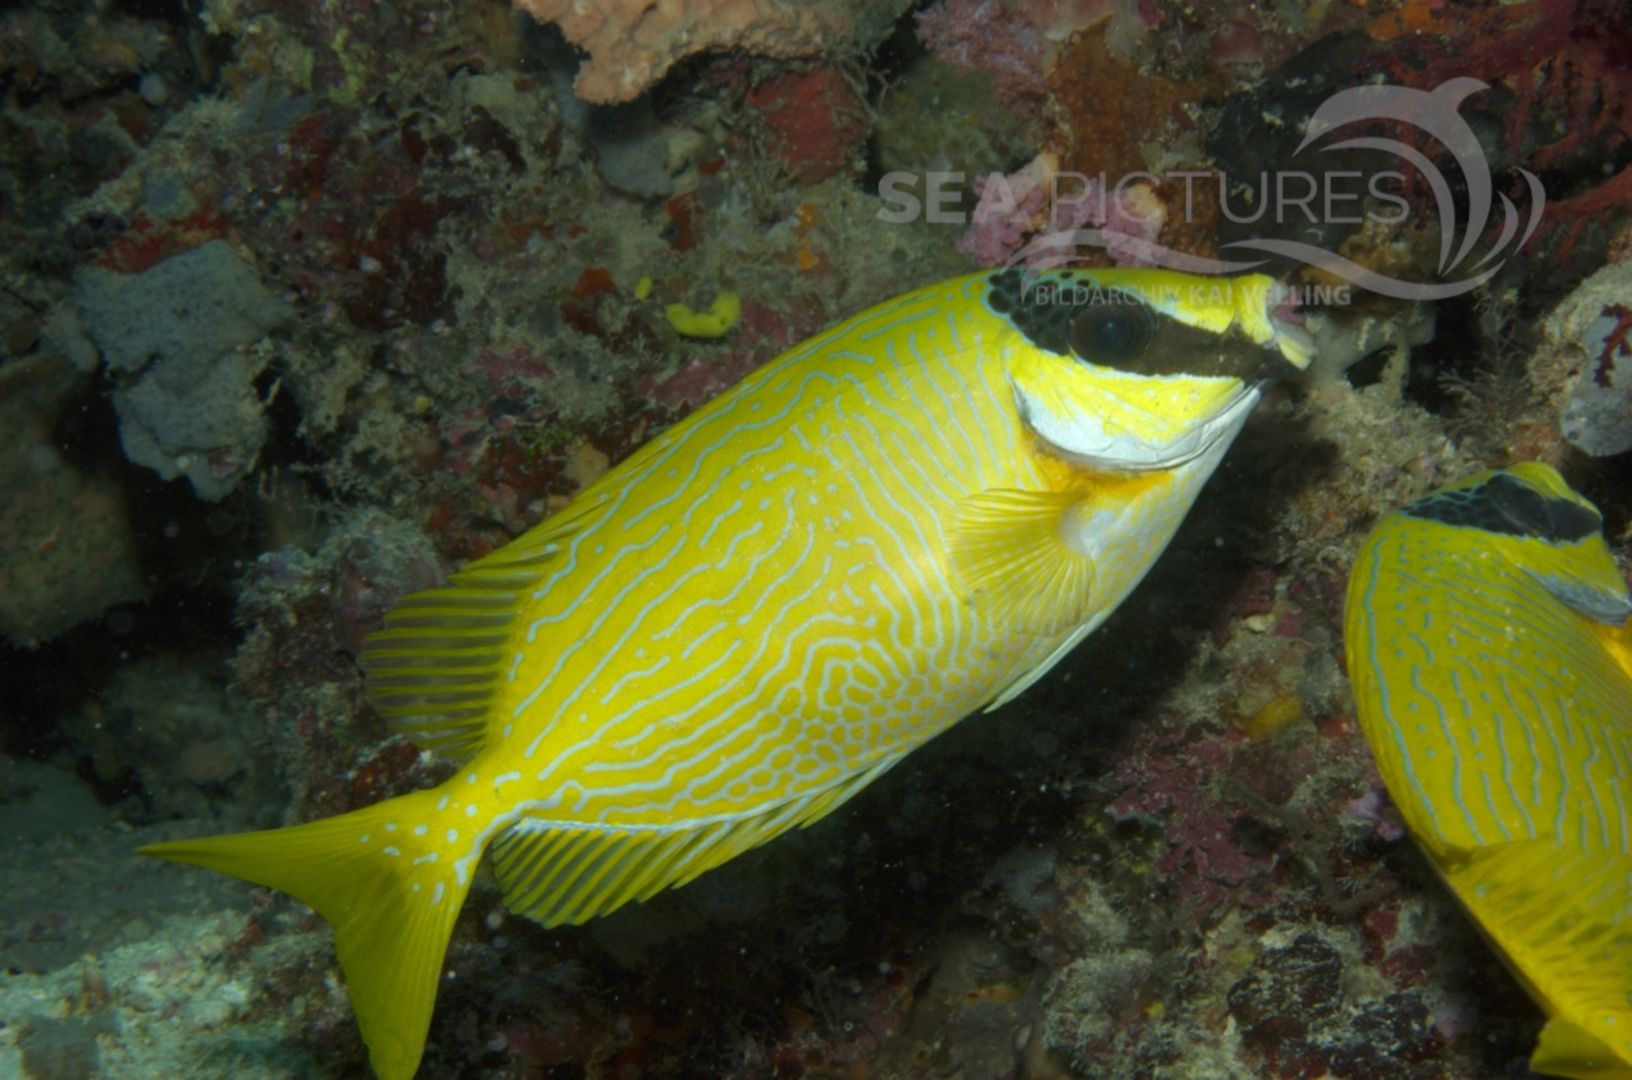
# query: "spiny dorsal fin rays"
{"type": "Point", "coordinates": [742, 624]}
{"type": "Point", "coordinates": [559, 874]}
{"type": "Point", "coordinates": [434, 669]}
{"type": "Point", "coordinates": [544, 541]}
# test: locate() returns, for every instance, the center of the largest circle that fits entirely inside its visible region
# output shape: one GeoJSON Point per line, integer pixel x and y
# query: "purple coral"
{"type": "Point", "coordinates": [992, 37]}
{"type": "Point", "coordinates": [1043, 218]}
{"type": "Point", "coordinates": [1013, 42]}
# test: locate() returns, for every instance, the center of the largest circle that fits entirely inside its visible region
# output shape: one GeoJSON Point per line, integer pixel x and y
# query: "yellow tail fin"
{"type": "Point", "coordinates": [391, 901]}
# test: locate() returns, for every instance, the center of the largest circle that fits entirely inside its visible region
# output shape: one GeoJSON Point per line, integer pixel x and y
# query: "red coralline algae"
{"type": "Point", "coordinates": [404, 273]}
{"type": "Point", "coordinates": [762, 333]}
{"type": "Point", "coordinates": [815, 122]}
{"type": "Point", "coordinates": [683, 212]}
{"type": "Point", "coordinates": [513, 369]}
{"type": "Point", "coordinates": [989, 37]}
{"type": "Point", "coordinates": [1616, 344]}
{"type": "Point", "coordinates": [1176, 788]}
{"type": "Point", "coordinates": [1408, 965]}
{"type": "Point", "coordinates": [1373, 807]}
{"type": "Point", "coordinates": [375, 778]}
{"type": "Point", "coordinates": [1378, 927]}
{"type": "Point", "coordinates": [146, 243]}
{"type": "Point", "coordinates": [1568, 65]}
{"type": "Point", "coordinates": [593, 281]}
{"type": "Point", "coordinates": [698, 380]}
{"type": "Point", "coordinates": [361, 226]}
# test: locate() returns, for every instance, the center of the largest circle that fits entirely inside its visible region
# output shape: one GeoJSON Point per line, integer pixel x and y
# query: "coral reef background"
{"type": "Point", "coordinates": [302, 305]}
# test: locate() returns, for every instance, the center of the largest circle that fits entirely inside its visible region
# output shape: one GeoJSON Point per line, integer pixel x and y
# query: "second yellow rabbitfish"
{"type": "Point", "coordinates": [908, 517]}
{"type": "Point", "coordinates": [1491, 655]}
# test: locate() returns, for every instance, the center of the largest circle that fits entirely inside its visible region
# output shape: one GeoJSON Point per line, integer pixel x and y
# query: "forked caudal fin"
{"type": "Point", "coordinates": [390, 896]}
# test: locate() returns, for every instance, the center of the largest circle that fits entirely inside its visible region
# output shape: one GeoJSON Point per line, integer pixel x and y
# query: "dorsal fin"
{"type": "Point", "coordinates": [435, 667]}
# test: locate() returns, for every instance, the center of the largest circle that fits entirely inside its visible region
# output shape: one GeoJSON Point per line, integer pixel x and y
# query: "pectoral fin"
{"type": "Point", "coordinates": [1010, 559]}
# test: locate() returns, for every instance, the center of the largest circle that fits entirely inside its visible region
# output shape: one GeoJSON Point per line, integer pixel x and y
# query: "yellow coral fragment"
{"type": "Point", "coordinates": [1277, 713]}
{"type": "Point", "coordinates": [717, 321]}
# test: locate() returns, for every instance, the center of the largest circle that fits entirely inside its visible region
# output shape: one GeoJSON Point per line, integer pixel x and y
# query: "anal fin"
{"type": "Point", "coordinates": [566, 873]}
{"type": "Point", "coordinates": [1565, 1049]}
{"type": "Point", "coordinates": [1562, 916]}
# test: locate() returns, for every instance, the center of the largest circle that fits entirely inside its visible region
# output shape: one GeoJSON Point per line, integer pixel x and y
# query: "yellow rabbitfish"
{"type": "Point", "coordinates": [911, 516]}
{"type": "Point", "coordinates": [1491, 655]}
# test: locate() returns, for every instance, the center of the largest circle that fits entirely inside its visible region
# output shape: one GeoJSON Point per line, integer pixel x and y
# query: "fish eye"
{"type": "Point", "coordinates": [1112, 334]}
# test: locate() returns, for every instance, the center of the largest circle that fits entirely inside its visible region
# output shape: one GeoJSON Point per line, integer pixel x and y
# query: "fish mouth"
{"type": "Point", "coordinates": [1286, 326]}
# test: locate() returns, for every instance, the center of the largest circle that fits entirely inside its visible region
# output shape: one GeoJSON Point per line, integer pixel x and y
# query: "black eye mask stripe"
{"type": "Point", "coordinates": [1506, 505]}
{"type": "Point", "coordinates": [1071, 314]}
